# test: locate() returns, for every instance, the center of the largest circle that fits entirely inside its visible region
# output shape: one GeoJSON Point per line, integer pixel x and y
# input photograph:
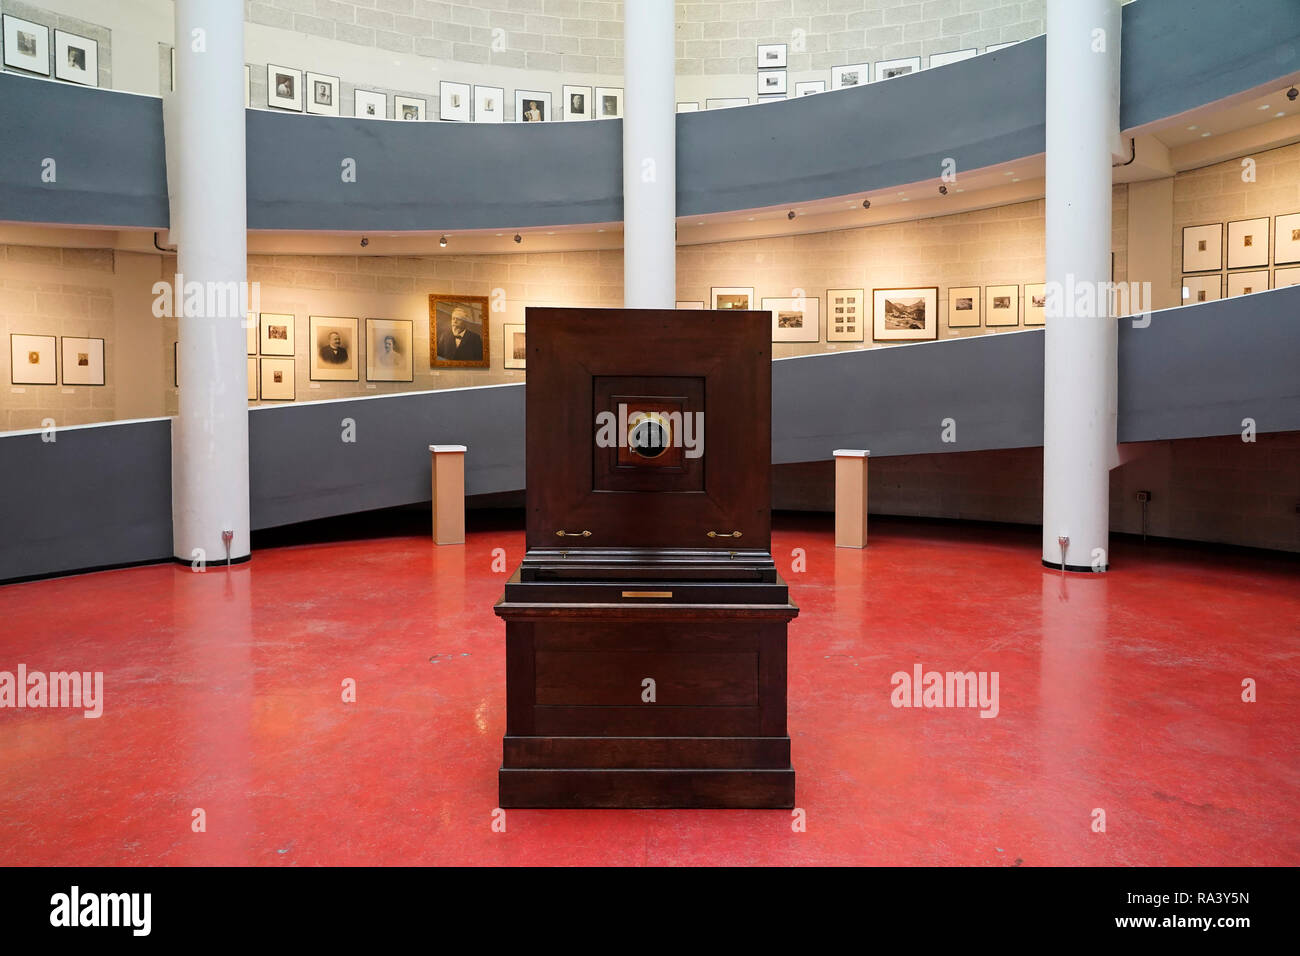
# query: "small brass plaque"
{"type": "Point", "coordinates": [648, 594]}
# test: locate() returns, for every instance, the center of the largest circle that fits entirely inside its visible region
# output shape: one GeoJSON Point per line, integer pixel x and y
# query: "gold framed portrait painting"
{"type": "Point", "coordinates": [458, 331]}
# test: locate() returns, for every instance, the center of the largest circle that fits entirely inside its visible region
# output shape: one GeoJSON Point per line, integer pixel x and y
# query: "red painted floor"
{"type": "Point", "coordinates": [223, 692]}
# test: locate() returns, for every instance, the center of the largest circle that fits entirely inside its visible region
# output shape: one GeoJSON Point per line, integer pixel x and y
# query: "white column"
{"type": "Point", "coordinates": [1083, 48]}
{"type": "Point", "coordinates": [649, 156]}
{"type": "Point", "coordinates": [210, 221]}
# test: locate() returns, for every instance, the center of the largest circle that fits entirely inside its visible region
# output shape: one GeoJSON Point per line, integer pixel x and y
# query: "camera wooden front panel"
{"type": "Point", "coordinates": [581, 361]}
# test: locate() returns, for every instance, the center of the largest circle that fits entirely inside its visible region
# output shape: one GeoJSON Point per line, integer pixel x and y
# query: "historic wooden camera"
{"type": "Point", "coordinates": [646, 626]}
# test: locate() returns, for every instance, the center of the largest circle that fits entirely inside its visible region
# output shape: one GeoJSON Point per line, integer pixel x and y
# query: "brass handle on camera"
{"type": "Point", "coordinates": [573, 534]}
{"type": "Point", "coordinates": [724, 534]}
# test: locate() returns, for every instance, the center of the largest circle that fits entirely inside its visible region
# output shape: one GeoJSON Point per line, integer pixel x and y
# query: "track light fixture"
{"type": "Point", "coordinates": [443, 242]}
{"type": "Point", "coordinates": [866, 204]}
{"type": "Point", "coordinates": [518, 238]}
{"type": "Point", "coordinates": [1292, 93]}
{"type": "Point", "coordinates": [364, 242]}
{"type": "Point", "coordinates": [790, 214]}
{"type": "Point", "coordinates": [943, 190]}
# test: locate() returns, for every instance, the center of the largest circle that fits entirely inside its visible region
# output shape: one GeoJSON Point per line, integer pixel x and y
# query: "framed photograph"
{"type": "Point", "coordinates": [609, 102]}
{"type": "Point", "coordinates": [774, 98]}
{"type": "Point", "coordinates": [515, 351]}
{"type": "Point", "coordinates": [277, 334]}
{"type": "Point", "coordinates": [731, 297]}
{"type": "Point", "coordinates": [76, 59]}
{"type": "Point", "coordinates": [248, 86]}
{"type": "Point", "coordinates": [855, 74]}
{"type": "Point", "coordinates": [577, 103]}
{"type": "Point", "coordinates": [888, 69]}
{"type": "Point", "coordinates": [688, 107]}
{"type": "Point", "coordinates": [771, 83]}
{"type": "Point", "coordinates": [390, 355]}
{"type": "Point", "coordinates": [83, 360]}
{"type": "Point", "coordinates": [27, 45]}
{"type": "Point", "coordinates": [454, 101]}
{"type": "Point", "coordinates": [905, 315]}
{"type": "Point", "coordinates": [1001, 305]}
{"type": "Point", "coordinates": [172, 58]}
{"type": "Point", "coordinates": [322, 94]}
{"type": "Point", "coordinates": [1248, 243]}
{"type": "Point", "coordinates": [689, 305]}
{"type": "Point", "coordinates": [725, 102]}
{"type": "Point", "coordinates": [771, 55]}
{"type": "Point", "coordinates": [1036, 303]}
{"type": "Point", "coordinates": [994, 47]}
{"type": "Point", "coordinates": [459, 331]}
{"type": "Point", "coordinates": [176, 365]}
{"type": "Point", "coordinates": [844, 312]}
{"type": "Point", "coordinates": [1203, 247]}
{"type": "Point", "coordinates": [409, 108]}
{"type": "Point", "coordinates": [252, 380]}
{"type": "Point", "coordinates": [1286, 239]}
{"type": "Point", "coordinates": [964, 307]}
{"type": "Point", "coordinates": [277, 379]}
{"type": "Point", "coordinates": [809, 87]}
{"type": "Point", "coordinates": [1202, 289]}
{"type": "Point", "coordinates": [532, 106]}
{"type": "Point", "coordinates": [1285, 278]}
{"type": "Point", "coordinates": [795, 319]}
{"type": "Point", "coordinates": [943, 59]}
{"type": "Point", "coordinates": [487, 104]}
{"type": "Point", "coordinates": [31, 359]}
{"type": "Point", "coordinates": [283, 88]}
{"type": "Point", "coordinates": [1244, 283]}
{"type": "Point", "coordinates": [367, 104]}
{"type": "Point", "coordinates": [333, 349]}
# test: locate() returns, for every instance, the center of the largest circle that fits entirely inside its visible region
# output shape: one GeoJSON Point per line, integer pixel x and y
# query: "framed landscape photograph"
{"type": "Point", "coordinates": [367, 104]}
{"type": "Point", "coordinates": [964, 307]}
{"type": "Point", "coordinates": [1285, 278]}
{"type": "Point", "coordinates": [771, 55]}
{"type": "Point", "coordinates": [277, 334]}
{"type": "Point", "coordinates": [855, 74]}
{"type": "Point", "coordinates": [809, 87]}
{"type": "Point", "coordinates": [577, 103]}
{"type": "Point", "coordinates": [689, 305]}
{"type": "Point", "coordinates": [609, 102]}
{"type": "Point", "coordinates": [487, 104]}
{"type": "Point", "coordinates": [772, 83]}
{"type": "Point", "coordinates": [454, 101]}
{"type": "Point", "coordinates": [458, 331]}
{"type": "Point", "coordinates": [795, 319]}
{"type": "Point", "coordinates": [905, 315]}
{"type": "Point", "coordinates": [389, 351]}
{"type": "Point", "coordinates": [1036, 303]}
{"type": "Point", "coordinates": [27, 45]}
{"type": "Point", "coordinates": [322, 94]}
{"type": "Point", "coordinates": [1248, 243]}
{"type": "Point", "coordinates": [76, 59]}
{"type": "Point", "coordinates": [515, 351]}
{"type": "Point", "coordinates": [688, 107]}
{"type": "Point", "coordinates": [283, 88]}
{"type": "Point", "coordinates": [32, 360]}
{"type": "Point", "coordinates": [943, 59]}
{"type": "Point", "coordinates": [1246, 283]}
{"type": "Point", "coordinates": [1203, 247]}
{"type": "Point", "coordinates": [1202, 289]}
{"type": "Point", "coordinates": [1001, 306]}
{"type": "Point", "coordinates": [731, 297]}
{"type": "Point", "coordinates": [252, 380]}
{"type": "Point", "coordinates": [409, 108]}
{"type": "Point", "coordinates": [83, 361]}
{"type": "Point", "coordinates": [333, 349]}
{"type": "Point", "coordinates": [277, 380]}
{"type": "Point", "coordinates": [888, 69]}
{"type": "Point", "coordinates": [1286, 239]}
{"type": "Point", "coordinates": [725, 102]}
{"type": "Point", "coordinates": [844, 313]}
{"type": "Point", "coordinates": [532, 106]}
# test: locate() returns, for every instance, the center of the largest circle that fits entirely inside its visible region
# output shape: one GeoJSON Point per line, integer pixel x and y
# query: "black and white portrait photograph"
{"type": "Point", "coordinates": [26, 45]}
{"type": "Point", "coordinates": [388, 350]}
{"type": "Point", "coordinates": [458, 331]}
{"type": "Point", "coordinates": [410, 108]}
{"type": "Point", "coordinates": [283, 88]}
{"type": "Point", "coordinates": [334, 349]}
{"type": "Point", "coordinates": [532, 106]}
{"type": "Point", "coordinates": [324, 94]}
{"type": "Point", "coordinates": [609, 102]}
{"type": "Point", "coordinates": [577, 103]}
{"type": "Point", "coordinates": [76, 58]}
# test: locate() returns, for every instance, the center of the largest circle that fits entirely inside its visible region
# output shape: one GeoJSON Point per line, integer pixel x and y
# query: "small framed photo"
{"type": "Point", "coordinates": [487, 104]}
{"type": "Point", "coordinates": [368, 104]}
{"type": "Point", "coordinates": [83, 361]}
{"type": "Point", "coordinates": [1285, 278]}
{"type": "Point", "coordinates": [731, 297]}
{"type": "Point", "coordinates": [277, 334]}
{"type": "Point", "coordinates": [577, 103]}
{"type": "Point", "coordinates": [1248, 243]}
{"type": "Point", "coordinates": [994, 47]}
{"type": "Point", "coordinates": [252, 380]}
{"type": "Point", "coordinates": [888, 69]}
{"type": "Point", "coordinates": [1286, 239]}
{"type": "Point", "coordinates": [844, 314]}
{"type": "Point", "coordinates": [454, 101]}
{"type": "Point", "coordinates": [277, 379]}
{"type": "Point", "coordinates": [1001, 306]}
{"type": "Point", "coordinates": [795, 319]}
{"type": "Point", "coordinates": [964, 307]}
{"type": "Point", "coordinates": [27, 45]}
{"type": "Point", "coordinates": [943, 59]}
{"type": "Point", "coordinates": [515, 351]}
{"type": "Point", "coordinates": [771, 55]}
{"type": "Point", "coordinates": [774, 98]}
{"type": "Point", "coordinates": [322, 94]}
{"type": "Point", "coordinates": [905, 315]}
{"type": "Point", "coordinates": [1203, 247]}
{"type": "Point", "coordinates": [32, 360]}
{"type": "Point", "coordinates": [1036, 303]}
{"type": "Point", "coordinates": [333, 349]}
{"type": "Point", "coordinates": [688, 107]}
{"type": "Point", "coordinates": [389, 350]}
{"type": "Point", "coordinates": [409, 108]}
{"type": "Point", "coordinates": [725, 102]}
{"type": "Point", "coordinates": [689, 305]}
{"type": "Point", "coordinates": [771, 83]}
{"type": "Point", "coordinates": [609, 102]}
{"type": "Point", "coordinates": [76, 59]}
{"type": "Point", "coordinates": [532, 106]}
{"type": "Point", "coordinates": [283, 88]}
{"type": "Point", "coordinates": [855, 74]}
{"type": "Point", "coordinates": [1202, 289]}
{"type": "Point", "coordinates": [809, 87]}
{"type": "Point", "coordinates": [459, 331]}
{"type": "Point", "coordinates": [1245, 283]}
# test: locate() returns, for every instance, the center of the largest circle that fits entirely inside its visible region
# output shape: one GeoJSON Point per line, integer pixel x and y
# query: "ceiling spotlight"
{"type": "Point", "coordinates": [443, 242]}
{"type": "Point", "coordinates": [790, 214]}
{"type": "Point", "coordinates": [364, 242]}
{"type": "Point", "coordinates": [1292, 93]}
{"type": "Point", "coordinates": [943, 190]}
{"type": "Point", "coordinates": [518, 238]}
{"type": "Point", "coordinates": [866, 204]}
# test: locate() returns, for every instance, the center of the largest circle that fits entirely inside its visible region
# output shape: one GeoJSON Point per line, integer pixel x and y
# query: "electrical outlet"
{"type": "Point", "coordinates": [1144, 496]}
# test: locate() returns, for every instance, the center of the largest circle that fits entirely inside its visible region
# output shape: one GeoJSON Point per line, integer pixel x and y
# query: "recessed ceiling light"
{"type": "Point", "coordinates": [600, 230]}
{"type": "Point", "coordinates": [959, 190]}
{"type": "Point", "coordinates": [905, 199]}
{"type": "Point", "coordinates": [1010, 172]}
{"type": "Point", "coordinates": [1205, 134]}
{"type": "Point", "coordinates": [1015, 179]}
{"type": "Point", "coordinates": [1282, 113]}
{"type": "Point", "coordinates": [1264, 107]}
{"type": "Point", "coordinates": [550, 233]}
{"type": "Point", "coordinates": [750, 219]}
{"type": "Point", "coordinates": [1192, 127]}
